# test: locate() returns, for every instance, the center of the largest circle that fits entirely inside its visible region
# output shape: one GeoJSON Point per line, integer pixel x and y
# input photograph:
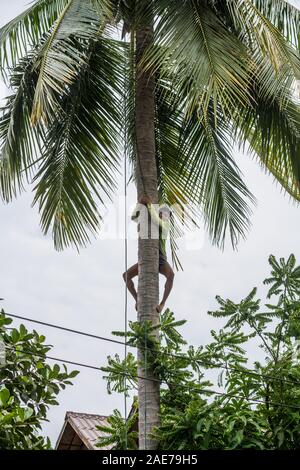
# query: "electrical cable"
{"type": "Point", "coordinates": [169, 384]}
{"type": "Point", "coordinates": [177, 356]}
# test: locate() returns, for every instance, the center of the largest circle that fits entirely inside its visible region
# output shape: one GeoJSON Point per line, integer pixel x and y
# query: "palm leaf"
{"type": "Point", "coordinates": [196, 171]}
{"type": "Point", "coordinates": [27, 29]}
{"type": "Point", "coordinates": [260, 34]}
{"type": "Point", "coordinates": [215, 178]}
{"type": "Point", "coordinates": [205, 59]}
{"type": "Point", "coordinates": [19, 141]}
{"type": "Point", "coordinates": [58, 60]}
{"type": "Point", "coordinates": [283, 15]}
{"type": "Point", "coordinates": [196, 163]}
{"type": "Point", "coordinates": [273, 134]}
{"type": "Point", "coordinates": [80, 156]}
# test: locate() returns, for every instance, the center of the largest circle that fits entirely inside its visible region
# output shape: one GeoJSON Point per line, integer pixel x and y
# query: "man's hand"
{"type": "Point", "coordinates": [145, 200]}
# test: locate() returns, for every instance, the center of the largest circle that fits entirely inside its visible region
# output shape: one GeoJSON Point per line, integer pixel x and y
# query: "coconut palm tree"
{"type": "Point", "coordinates": [188, 79]}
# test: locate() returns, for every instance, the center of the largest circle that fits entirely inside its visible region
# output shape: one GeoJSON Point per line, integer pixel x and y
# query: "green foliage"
{"type": "Point", "coordinates": [118, 432]}
{"type": "Point", "coordinates": [28, 387]}
{"type": "Point", "coordinates": [121, 374]}
{"type": "Point", "coordinates": [245, 404]}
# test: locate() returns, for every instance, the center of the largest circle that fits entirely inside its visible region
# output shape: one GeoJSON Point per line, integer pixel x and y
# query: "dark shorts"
{"type": "Point", "coordinates": [162, 259]}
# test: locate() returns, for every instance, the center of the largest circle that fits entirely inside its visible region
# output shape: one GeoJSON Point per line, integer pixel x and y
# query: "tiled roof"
{"type": "Point", "coordinates": [80, 431]}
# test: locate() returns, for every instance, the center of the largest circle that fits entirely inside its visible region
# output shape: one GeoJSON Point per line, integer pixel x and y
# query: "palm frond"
{"type": "Point", "coordinates": [215, 178]}
{"type": "Point", "coordinates": [80, 156]}
{"type": "Point", "coordinates": [206, 60]}
{"type": "Point", "coordinates": [58, 60]}
{"type": "Point", "coordinates": [260, 34]}
{"type": "Point", "coordinates": [283, 15]}
{"type": "Point", "coordinates": [19, 141]}
{"type": "Point", "coordinates": [26, 30]}
{"type": "Point", "coordinates": [196, 170]}
{"type": "Point", "coordinates": [272, 131]}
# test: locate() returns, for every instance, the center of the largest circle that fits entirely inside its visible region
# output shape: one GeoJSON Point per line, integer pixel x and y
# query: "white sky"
{"type": "Point", "coordinates": [296, 3]}
{"type": "Point", "coordinates": [85, 291]}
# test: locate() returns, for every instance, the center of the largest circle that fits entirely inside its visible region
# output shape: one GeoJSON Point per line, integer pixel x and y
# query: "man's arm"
{"type": "Point", "coordinates": [164, 225]}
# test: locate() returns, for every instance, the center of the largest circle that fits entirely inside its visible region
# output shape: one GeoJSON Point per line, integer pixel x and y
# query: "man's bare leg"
{"type": "Point", "coordinates": [168, 272]}
{"type": "Point", "coordinates": [128, 276]}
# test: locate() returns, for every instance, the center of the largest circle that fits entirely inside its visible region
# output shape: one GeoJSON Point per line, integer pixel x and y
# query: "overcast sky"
{"type": "Point", "coordinates": [85, 291]}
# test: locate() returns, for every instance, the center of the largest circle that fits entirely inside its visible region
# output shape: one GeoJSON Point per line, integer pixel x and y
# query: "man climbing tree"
{"type": "Point", "coordinates": [160, 220]}
{"type": "Point", "coordinates": [190, 79]}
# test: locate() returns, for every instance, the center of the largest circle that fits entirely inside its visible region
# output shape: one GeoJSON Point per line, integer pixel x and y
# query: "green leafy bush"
{"type": "Point", "coordinates": [28, 386]}
{"type": "Point", "coordinates": [249, 404]}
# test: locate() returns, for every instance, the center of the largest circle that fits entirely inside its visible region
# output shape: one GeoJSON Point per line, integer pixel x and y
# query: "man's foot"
{"type": "Point", "coordinates": [160, 307]}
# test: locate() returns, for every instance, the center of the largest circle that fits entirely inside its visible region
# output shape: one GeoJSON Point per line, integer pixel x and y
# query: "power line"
{"type": "Point", "coordinates": [64, 328]}
{"type": "Point", "coordinates": [169, 384]}
{"type": "Point", "coordinates": [177, 356]}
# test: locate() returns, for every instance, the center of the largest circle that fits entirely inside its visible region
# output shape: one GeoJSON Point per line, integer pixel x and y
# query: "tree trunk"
{"type": "Point", "coordinates": [148, 283]}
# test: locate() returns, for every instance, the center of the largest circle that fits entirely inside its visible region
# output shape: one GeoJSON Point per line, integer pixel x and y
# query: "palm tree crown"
{"type": "Point", "coordinates": [225, 72]}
